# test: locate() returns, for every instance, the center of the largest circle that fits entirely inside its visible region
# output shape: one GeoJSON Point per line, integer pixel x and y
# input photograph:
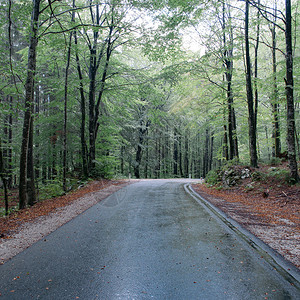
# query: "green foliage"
{"type": "Point", "coordinates": [105, 167]}
{"type": "Point", "coordinates": [212, 177]}
{"type": "Point", "coordinates": [51, 190]}
{"type": "Point", "coordinates": [278, 174]}
{"type": "Point", "coordinates": [257, 176]}
{"type": "Point", "coordinates": [11, 210]}
{"type": "Point", "coordinates": [231, 163]}
{"type": "Point", "coordinates": [274, 161]}
{"type": "Point", "coordinates": [179, 90]}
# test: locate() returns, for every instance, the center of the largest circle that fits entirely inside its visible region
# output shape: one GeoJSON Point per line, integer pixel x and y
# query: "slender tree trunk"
{"type": "Point", "coordinates": [256, 67]}
{"type": "Point", "coordinates": [289, 95]}
{"type": "Point", "coordinates": [4, 180]}
{"type": "Point", "coordinates": [29, 88]}
{"type": "Point", "coordinates": [30, 168]}
{"type": "Point", "coordinates": [175, 154]}
{"type": "Point", "coordinates": [206, 152]}
{"type": "Point", "coordinates": [92, 94]}
{"type": "Point", "coordinates": [66, 110]}
{"type": "Point", "coordinates": [142, 132]}
{"type": "Point", "coordinates": [94, 107]}
{"type": "Point", "coordinates": [228, 64]}
{"type": "Point", "coordinates": [251, 114]}
{"type": "Point", "coordinates": [37, 132]}
{"type": "Point", "coordinates": [83, 113]}
{"type": "Point", "coordinates": [138, 158]}
{"type": "Point", "coordinates": [158, 155]}
{"type": "Point", "coordinates": [7, 141]}
{"type": "Point", "coordinates": [186, 154]}
{"type": "Point", "coordinates": [122, 159]}
{"type": "Point", "coordinates": [180, 155]}
{"type": "Point", "coordinates": [211, 154]}
{"type": "Point", "coordinates": [225, 138]}
{"type": "Point", "coordinates": [53, 170]}
{"type": "Point", "coordinates": [147, 159]}
{"type": "Point", "coordinates": [274, 101]}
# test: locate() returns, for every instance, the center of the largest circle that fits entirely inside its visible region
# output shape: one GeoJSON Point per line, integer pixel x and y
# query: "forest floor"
{"type": "Point", "coordinates": [275, 219]}
{"type": "Point", "coordinates": [270, 210]}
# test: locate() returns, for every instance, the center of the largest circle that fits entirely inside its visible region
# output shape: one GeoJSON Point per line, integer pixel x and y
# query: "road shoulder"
{"type": "Point", "coordinates": [236, 218]}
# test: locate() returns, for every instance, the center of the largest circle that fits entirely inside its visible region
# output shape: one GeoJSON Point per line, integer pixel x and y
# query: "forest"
{"type": "Point", "coordinates": [145, 89]}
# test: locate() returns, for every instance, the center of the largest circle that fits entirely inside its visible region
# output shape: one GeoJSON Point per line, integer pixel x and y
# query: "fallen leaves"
{"type": "Point", "coordinates": [249, 208]}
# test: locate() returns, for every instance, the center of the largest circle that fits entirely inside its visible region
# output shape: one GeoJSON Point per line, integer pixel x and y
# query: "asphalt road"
{"type": "Point", "coordinates": [149, 240]}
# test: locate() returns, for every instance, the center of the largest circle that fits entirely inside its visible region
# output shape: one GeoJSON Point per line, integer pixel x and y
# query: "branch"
{"type": "Point", "coordinates": [68, 29]}
{"type": "Point", "coordinates": [264, 12]}
{"type": "Point", "coordinates": [269, 46]}
{"type": "Point", "coordinates": [55, 17]}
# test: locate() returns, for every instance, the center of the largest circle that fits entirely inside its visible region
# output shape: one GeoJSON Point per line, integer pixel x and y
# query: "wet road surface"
{"type": "Point", "coordinates": [149, 240]}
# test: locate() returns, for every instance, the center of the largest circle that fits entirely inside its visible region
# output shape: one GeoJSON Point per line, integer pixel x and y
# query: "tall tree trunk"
{"type": "Point", "coordinates": [29, 88]}
{"type": "Point", "coordinates": [142, 132]}
{"type": "Point", "coordinates": [251, 115]}
{"type": "Point", "coordinates": [92, 95]}
{"type": "Point", "coordinates": [53, 169]}
{"type": "Point", "coordinates": [83, 113]}
{"type": "Point", "coordinates": [122, 150]}
{"type": "Point", "coordinates": [138, 157]}
{"type": "Point", "coordinates": [7, 141]}
{"type": "Point", "coordinates": [175, 154]}
{"type": "Point", "coordinates": [206, 153]}
{"type": "Point", "coordinates": [94, 107]}
{"type": "Point", "coordinates": [225, 138]}
{"type": "Point", "coordinates": [211, 154]}
{"type": "Point", "coordinates": [256, 67]}
{"type": "Point", "coordinates": [37, 132]}
{"type": "Point", "coordinates": [289, 95]}
{"type": "Point", "coordinates": [228, 64]}
{"type": "Point", "coordinates": [274, 101]}
{"type": "Point", "coordinates": [66, 109]}
{"type": "Point", "coordinates": [147, 159]}
{"type": "Point", "coordinates": [157, 154]}
{"type": "Point", "coordinates": [4, 180]}
{"type": "Point", "coordinates": [186, 154]}
{"type": "Point", "coordinates": [30, 168]}
{"type": "Point", "coordinates": [180, 155]}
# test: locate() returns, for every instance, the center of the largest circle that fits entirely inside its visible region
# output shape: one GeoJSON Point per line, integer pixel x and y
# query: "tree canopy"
{"type": "Point", "coordinates": [153, 89]}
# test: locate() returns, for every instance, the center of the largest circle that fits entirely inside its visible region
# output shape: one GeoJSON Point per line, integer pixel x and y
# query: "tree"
{"type": "Point", "coordinates": [251, 114]}
{"type": "Point", "coordinates": [289, 94]}
{"type": "Point", "coordinates": [66, 104]}
{"type": "Point", "coordinates": [274, 99]}
{"type": "Point", "coordinates": [4, 179]}
{"type": "Point", "coordinates": [28, 118]}
{"type": "Point", "coordinates": [228, 64]}
{"type": "Point", "coordinates": [142, 129]}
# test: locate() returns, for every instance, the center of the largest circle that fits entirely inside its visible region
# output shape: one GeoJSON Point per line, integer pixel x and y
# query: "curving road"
{"type": "Point", "coordinates": [150, 240]}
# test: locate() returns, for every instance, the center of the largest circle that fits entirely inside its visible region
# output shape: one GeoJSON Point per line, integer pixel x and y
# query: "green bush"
{"type": "Point", "coordinates": [51, 190]}
{"type": "Point", "coordinates": [105, 167]}
{"type": "Point", "coordinates": [278, 174]}
{"type": "Point", "coordinates": [274, 161]}
{"type": "Point", "coordinates": [212, 177]}
{"type": "Point", "coordinates": [257, 176]}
